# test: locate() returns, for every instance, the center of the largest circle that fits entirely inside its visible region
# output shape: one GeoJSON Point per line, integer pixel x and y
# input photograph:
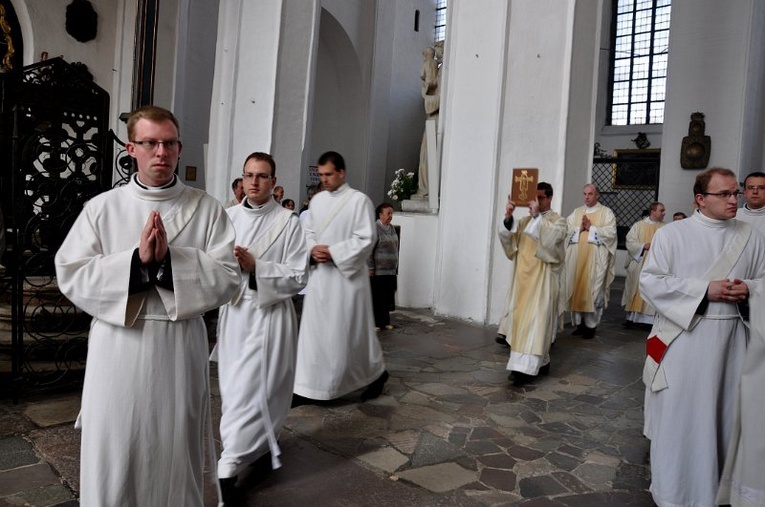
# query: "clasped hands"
{"type": "Point", "coordinates": [727, 291]}
{"type": "Point", "coordinates": [585, 224]}
{"type": "Point", "coordinates": [320, 253]}
{"type": "Point", "coordinates": [245, 259]}
{"type": "Point", "coordinates": [153, 246]}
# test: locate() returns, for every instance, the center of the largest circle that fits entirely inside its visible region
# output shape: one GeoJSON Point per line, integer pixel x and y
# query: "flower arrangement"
{"type": "Point", "coordinates": [402, 186]}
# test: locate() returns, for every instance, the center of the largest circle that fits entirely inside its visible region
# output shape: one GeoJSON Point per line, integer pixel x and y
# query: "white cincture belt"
{"type": "Point", "coordinates": [152, 317]}
{"type": "Point", "coordinates": [721, 317]}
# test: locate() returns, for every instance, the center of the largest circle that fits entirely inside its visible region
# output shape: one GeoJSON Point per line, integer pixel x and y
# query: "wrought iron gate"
{"type": "Point", "coordinates": [628, 184]}
{"type": "Point", "coordinates": [56, 154]}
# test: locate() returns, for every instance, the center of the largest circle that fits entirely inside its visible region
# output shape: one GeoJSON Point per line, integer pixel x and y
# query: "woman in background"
{"type": "Point", "coordinates": [383, 265]}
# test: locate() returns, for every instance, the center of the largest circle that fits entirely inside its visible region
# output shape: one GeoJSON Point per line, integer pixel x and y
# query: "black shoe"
{"type": "Point", "coordinates": [579, 330]}
{"type": "Point", "coordinates": [627, 324]}
{"type": "Point", "coordinates": [589, 333]}
{"type": "Point", "coordinates": [521, 379]}
{"type": "Point", "coordinates": [545, 370]}
{"type": "Point", "coordinates": [298, 400]}
{"type": "Point", "coordinates": [502, 340]}
{"type": "Point", "coordinates": [228, 491]}
{"type": "Point", "coordinates": [375, 389]}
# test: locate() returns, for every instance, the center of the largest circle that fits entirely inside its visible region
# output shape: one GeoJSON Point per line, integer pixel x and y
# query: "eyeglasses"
{"type": "Point", "coordinates": [759, 188]}
{"type": "Point", "coordinates": [260, 176]}
{"type": "Point", "coordinates": [152, 145]}
{"type": "Point", "coordinates": [725, 194]}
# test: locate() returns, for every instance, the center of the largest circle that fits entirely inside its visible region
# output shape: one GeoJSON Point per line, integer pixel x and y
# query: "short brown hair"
{"type": "Point", "coordinates": [701, 184]}
{"type": "Point", "coordinates": [262, 157]}
{"type": "Point", "coordinates": [154, 114]}
{"type": "Point", "coordinates": [655, 205]}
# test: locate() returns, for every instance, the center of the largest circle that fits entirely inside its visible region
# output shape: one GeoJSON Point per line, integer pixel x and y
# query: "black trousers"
{"type": "Point", "coordinates": [383, 298]}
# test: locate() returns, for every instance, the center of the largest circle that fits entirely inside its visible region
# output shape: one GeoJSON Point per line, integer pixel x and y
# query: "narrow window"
{"type": "Point", "coordinates": [639, 50]}
{"type": "Point", "coordinates": [440, 30]}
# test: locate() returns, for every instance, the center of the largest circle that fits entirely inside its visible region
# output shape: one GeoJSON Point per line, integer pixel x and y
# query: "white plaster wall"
{"type": "Point", "coordinates": [474, 81]}
{"type": "Point", "coordinates": [406, 110]}
{"type": "Point", "coordinates": [244, 89]}
{"type": "Point", "coordinates": [707, 72]}
{"type": "Point", "coordinates": [419, 236]}
{"type": "Point", "coordinates": [534, 117]}
{"type": "Point", "coordinates": [193, 83]}
{"type": "Point", "coordinates": [294, 98]}
{"type": "Point", "coordinates": [48, 24]}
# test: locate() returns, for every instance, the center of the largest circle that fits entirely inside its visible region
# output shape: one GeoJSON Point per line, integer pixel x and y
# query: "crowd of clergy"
{"type": "Point", "coordinates": [148, 259]}
{"type": "Point", "coordinates": [690, 284]}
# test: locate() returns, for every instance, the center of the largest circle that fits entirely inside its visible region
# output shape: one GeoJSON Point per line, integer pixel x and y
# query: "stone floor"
{"type": "Point", "coordinates": [449, 430]}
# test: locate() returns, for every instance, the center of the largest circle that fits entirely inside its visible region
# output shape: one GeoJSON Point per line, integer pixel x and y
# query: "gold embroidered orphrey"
{"type": "Point", "coordinates": [524, 186]}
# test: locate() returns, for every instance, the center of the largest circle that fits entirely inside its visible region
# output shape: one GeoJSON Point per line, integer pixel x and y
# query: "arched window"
{"type": "Point", "coordinates": [639, 50]}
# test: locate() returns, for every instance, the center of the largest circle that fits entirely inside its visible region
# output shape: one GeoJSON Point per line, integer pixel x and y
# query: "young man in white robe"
{"type": "Point", "coordinates": [589, 266]}
{"type": "Point", "coordinates": [535, 244]}
{"type": "Point", "coordinates": [146, 260]}
{"type": "Point", "coordinates": [639, 237]}
{"type": "Point", "coordinates": [338, 349]}
{"type": "Point", "coordinates": [753, 210]}
{"type": "Point", "coordinates": [257, 330]}
{"type": "Point", "coordinates": [701, 274]}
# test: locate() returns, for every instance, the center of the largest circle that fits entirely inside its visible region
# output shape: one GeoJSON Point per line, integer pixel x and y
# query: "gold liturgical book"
{"type": "Point", "coordinates": [524, 186]}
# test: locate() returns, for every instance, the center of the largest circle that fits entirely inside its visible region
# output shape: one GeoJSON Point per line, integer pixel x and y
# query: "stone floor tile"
{"type": "Point", "coordinates": [570, 482]}
{"type": "Point", "coordinates": [632, 477]}
{"type": "Point", "coordinates": [16, 452]}
{"type": "Point", "coordinates": [484, 432]}
{"type": "Point", "coordinates": [432, 450]}
{"type": "Point", "coordinates": [55, 494]}
{"type": "Point", "coordinates": [603, 459]}
{"type": "Point", "coordinates": [545, 485]}
{"type": "Point", "coordinates": [599, 477]}
{"type": "Point", "coordinates": [404, 441]}
{"type": "Point", "coordinates": [540, 502]}
{"type": "Point", "coordinates": [387, 459]}
{"type": "Point", "coordinates": [26, 478]}
{"type": "Point", "coordinates": [439, 478]}
{"type": "Point", "coordinates": [562, 461]}
{"type": "Point", "coordinates": [499, 460]}
{"type": "Point", "coordinates": [524, 453]}
{"type": "Point", "coordinates": [59, 410]}
{"type": "Point", "coordinates": [503, 480]}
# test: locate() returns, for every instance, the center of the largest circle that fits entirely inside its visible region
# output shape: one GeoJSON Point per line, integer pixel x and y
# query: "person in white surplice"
{"type": "Point", "coordinates": [535, 244]}
{"type": "Point", "coordinates": [753, 210]}
{"type": "Point", "coordinates": [257, 330]}
{"type": "Point", "coordinates": [640, 313]}
{"type": "Point", "coordinates": [338, 349]}
{"type": "Point", "coordinates": [146, 260]}
{"type": "Point", "coordinates": [702, 275]}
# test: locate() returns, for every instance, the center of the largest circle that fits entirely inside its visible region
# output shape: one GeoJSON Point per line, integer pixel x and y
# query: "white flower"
{"type": "Point", "coordinates": [410, 175]}
{"type": "Point", "coordinates": [395, 198]}
{"type": "Point", "coordinates": [399, 171]}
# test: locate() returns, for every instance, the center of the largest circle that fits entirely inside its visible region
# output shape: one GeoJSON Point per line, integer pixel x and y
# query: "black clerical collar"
{"type": "Point", "coordinates": [169, 184]}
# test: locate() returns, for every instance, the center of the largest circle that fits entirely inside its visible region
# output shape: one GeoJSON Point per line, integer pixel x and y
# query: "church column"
{"type": "Point", "coordinates": [250, 90]}
{"type": "Point", "coordinates": [716, 66]}
{"type": "Point", "coordinates": [471, 99]}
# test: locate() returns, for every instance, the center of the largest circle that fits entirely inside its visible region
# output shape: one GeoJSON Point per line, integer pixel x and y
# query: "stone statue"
{"type": "Point", "coordinates": [430, 74]}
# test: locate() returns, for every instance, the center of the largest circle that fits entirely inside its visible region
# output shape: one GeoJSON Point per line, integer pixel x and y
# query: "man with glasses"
{"type": "Point", "coordinates": [338, 349]}
{"type": "Point", "coordinates": [146, 260]}
{"type": "Point", "coordinates": [589, 267]}
{"type": "Point", "coordinates": [535, 243]}
{"type": "Point", "coordinates": [639, 312]}
{"type": "Point", "coordinates": [257, 330]}
{"type": "Point", "coordinates": [753, 211]}
{"type": "Point", "coordinates": [701, 275]}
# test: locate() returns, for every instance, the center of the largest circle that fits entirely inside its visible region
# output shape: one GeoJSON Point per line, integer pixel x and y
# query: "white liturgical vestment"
{"type": "Point", "coordinates": [257, 336]}
{"type": "Point", "coordinates": [754, 217]}
{"type": "Point", "coordinates": [146, 391]}
{"type": "Point", "coordinates": [338, 349]}
{"type": "Point", "coordinates": [531, 315]}
{"type": "Point", "coordinates": [689, 410]}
